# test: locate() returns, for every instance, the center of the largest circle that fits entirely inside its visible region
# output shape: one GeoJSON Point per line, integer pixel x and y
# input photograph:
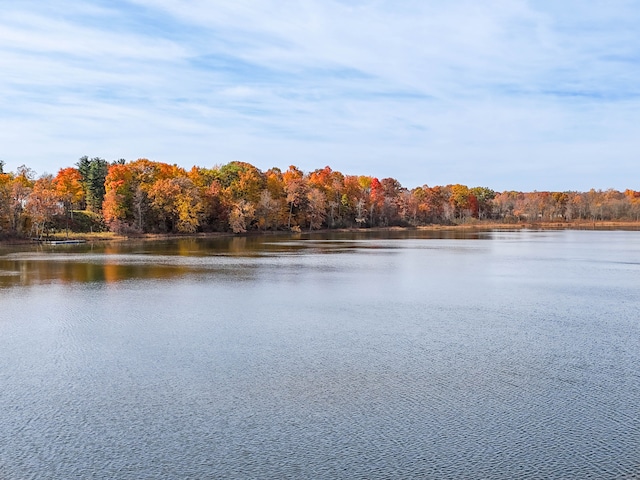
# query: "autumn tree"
{"type": "Point", "coordinates": [316, 208]}
{"type": "Point", "coordinates": [6, 181]}
{"type": "Point", "coordinates": [268, 211]}
{"type": "Point", "coordinates": [43, 205]}
{"type": "Point", "coordinates": [241, 180]}
{"type": "Point", "coordinates": [68, 185]}
{"type": "Point", "coordinates": [633, 198]}
{"type": "Point", "coordinates": [5, 196]}
{"type": "Point", "coordinates": [331, 184]}
{"type": "Point", "coordinates": [177, 203]}
{"type": "Point", "coordinates": [462, 201]}
{"type": "Point", "coordinates": [484, 197]}
{"type": "Point", "coordinates": [163, 196]}
{"type": "Point", "coordinates": [274, 183]}
{"type": "Point", "coordinates": [296, 189]}
{"type": "Point", "coordinates": [213, 209]}
{"type": "Point", "coordinates": [614, 205]}
{"type": "Point", "coordinates": [353, 201]}
{"type": "Point", "coordinates": [504, 205]}
{"type": "Point", "coordinates": [117, 206]}
{"type": "Point", "coordinates": [559, 204]}
{"type": "Point", "coordinates": [393, 209]}
{"type": "Point", "coordinates": [21, 185]}
{"type": "Point", "coordinates": [431, 203]}
{"type": "Point", "coordinates": [241, 213]}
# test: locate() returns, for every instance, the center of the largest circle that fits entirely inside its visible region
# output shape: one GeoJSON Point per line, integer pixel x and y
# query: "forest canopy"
{"type": "Point", "coordinates": [144, 196]}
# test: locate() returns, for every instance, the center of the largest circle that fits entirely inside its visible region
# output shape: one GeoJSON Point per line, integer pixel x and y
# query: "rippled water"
{"type": "Point", "coordinates": [498, 355]}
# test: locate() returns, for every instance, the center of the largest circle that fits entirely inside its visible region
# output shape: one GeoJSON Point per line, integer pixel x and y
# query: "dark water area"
{"type": "Point", "coordinates": [492, 355]}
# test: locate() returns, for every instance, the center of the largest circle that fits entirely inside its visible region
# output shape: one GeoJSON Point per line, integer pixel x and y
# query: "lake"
{"type": "Point", "coordinates": [497, 354]}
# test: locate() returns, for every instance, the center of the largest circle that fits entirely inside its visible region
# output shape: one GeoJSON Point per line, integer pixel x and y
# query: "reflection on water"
{"type": "Point", "coordinates": [117, 261]}
{"type": "Point", "coordinates": [402, 355]}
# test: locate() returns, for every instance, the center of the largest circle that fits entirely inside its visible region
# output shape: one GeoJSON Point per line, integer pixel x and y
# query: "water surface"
{"type": "Point", "coordinates": [426, 355]}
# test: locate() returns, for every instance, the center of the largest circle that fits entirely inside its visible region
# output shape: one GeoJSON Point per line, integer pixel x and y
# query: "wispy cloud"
{"type": "Point", "coordinates": [503, 93]}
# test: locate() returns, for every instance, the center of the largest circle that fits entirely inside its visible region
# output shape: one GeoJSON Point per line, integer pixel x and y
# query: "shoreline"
{"type": "Point", "coordinates": [631, 225]}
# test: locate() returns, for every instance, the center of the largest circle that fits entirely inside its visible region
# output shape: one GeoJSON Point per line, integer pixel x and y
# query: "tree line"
{"type": "Point", "coordinates": [144, 196]}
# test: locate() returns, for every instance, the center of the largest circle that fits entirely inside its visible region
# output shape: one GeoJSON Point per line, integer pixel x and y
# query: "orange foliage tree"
{"type": "Point", "coordinates": [68, 185]}
{"type": "Point", "coordinates": [43, 205]}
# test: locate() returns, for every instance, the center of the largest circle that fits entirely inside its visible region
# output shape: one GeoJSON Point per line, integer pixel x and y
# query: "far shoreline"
{"type": "Point", "coordinates": [100, 237]}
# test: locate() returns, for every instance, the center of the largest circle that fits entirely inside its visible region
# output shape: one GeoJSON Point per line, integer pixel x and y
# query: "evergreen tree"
{"type": "Point", "coordinates": [93, 174]}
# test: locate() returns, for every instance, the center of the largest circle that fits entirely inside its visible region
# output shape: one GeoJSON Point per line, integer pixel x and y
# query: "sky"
{"type": "Point", "coordinates": [506, 94]}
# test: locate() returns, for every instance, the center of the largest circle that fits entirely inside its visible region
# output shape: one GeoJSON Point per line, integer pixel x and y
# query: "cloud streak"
{"type": "Point", "coordinates": [506, 93]}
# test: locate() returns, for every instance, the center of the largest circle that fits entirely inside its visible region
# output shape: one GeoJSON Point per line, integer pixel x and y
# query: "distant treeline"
{"type": "Point", "coordinates": [143, 196]}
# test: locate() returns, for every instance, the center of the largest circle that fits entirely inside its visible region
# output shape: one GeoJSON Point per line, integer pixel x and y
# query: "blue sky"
{"type": "Point", "coordinates": [508, 94]}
